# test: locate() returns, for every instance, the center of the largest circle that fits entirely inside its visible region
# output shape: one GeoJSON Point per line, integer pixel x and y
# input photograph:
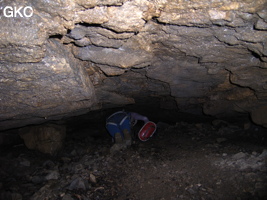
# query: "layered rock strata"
{"type": "Point", "coordinates": [74, 56]}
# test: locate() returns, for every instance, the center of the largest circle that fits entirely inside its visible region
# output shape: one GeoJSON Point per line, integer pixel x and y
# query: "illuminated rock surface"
{"type": "Point", "coordinates": [74, 56]}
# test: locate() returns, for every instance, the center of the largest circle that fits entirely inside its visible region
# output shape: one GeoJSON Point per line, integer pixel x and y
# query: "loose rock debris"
{"type": "Point", "coordinates": [181, 161]}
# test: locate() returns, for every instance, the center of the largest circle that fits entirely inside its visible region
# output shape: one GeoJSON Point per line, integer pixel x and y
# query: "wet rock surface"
{"type": "Point", "coordinates": [182, 161]}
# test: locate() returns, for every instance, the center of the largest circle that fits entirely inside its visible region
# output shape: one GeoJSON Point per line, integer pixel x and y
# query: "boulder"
{"type": "Point", "coordinates": [47, 138]}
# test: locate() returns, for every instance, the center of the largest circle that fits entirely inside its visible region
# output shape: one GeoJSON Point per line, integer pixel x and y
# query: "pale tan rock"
{"type": "Point", "coordinates": [111, 71]}
{"type": "Point", "coordinates": [121, 57]}
{"type": "Point", "coordinates": [97, 15]}
{"type": "Point", "coordinates": [125, 18]}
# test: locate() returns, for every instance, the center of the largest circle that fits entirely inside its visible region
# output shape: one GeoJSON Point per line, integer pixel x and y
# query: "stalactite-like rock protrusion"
{"type": "Point", "coordinates": [75, 55]}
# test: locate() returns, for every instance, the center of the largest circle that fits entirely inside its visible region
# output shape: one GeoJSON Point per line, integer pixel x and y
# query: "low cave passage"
{"type": "Point", "coordinates": [69, 57]}
{"type": "Point", "coordinates": [189, 157]}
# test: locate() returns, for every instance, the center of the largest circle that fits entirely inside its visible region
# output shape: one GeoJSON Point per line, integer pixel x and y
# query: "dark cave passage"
{"type": "Point", "coordinates": [189, 157]}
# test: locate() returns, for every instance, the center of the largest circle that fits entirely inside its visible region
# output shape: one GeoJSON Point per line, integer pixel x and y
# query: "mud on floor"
{"type": "Point", "coordinates": [181, 161]}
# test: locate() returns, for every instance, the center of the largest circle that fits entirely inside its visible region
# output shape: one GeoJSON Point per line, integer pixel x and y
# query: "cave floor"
{"type": "Point", "coordinates": [181, 161]}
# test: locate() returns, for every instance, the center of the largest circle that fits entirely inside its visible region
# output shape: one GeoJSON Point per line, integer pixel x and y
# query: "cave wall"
{"type": "Point", "coordinates": [74, 56]}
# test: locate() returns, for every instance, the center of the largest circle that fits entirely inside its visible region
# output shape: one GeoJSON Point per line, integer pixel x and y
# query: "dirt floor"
{"type": "Point", "coordinates": [197, 161]}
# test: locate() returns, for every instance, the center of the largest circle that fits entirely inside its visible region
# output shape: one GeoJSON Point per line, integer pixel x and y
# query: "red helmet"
{"type": "Point", "coordinates": [147, 131]}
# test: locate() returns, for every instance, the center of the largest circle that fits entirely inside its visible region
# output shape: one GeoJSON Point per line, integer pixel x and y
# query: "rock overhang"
{"type": "Point", "coordinates": [204, 55]}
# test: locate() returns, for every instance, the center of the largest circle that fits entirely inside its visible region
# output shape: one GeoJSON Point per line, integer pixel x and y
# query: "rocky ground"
{"type": "Point", "coordinates": [199, 161]}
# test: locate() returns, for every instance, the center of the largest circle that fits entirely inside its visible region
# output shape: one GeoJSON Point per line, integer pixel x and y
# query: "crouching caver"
{"type": "Point", "coordinates": [119, 126]}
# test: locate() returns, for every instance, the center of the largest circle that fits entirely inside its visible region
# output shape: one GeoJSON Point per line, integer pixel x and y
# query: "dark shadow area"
{"type": "Point", "coordinates": [189, 157]}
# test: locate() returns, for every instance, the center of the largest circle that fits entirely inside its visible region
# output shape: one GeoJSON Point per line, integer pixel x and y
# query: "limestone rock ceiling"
{"type": "Point", "coordinates": [74, 56]}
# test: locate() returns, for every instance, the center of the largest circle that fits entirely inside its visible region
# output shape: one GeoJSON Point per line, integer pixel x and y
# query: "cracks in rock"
{"type": "Point", "coordinates": [165, 85]}
{"type": "Point", "coordinates": [88, 25]}
{"type": "Point", "coordinates": [98, 36]}
{"type": "Point", "coordinates": [99, 5]}
{"type": "Point", "coordinates": [239, 85]}
{"type": "Point", "coordinates": [140, 87]}
{"type": "Point", "coordinates": [256, 55]}
{"type": "Point", "coordinates": [155, 19]}
{"type": "Point", "coordinates": [57, 36]}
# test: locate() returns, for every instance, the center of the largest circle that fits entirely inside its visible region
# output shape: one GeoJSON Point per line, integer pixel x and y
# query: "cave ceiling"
{"type": "Point", "coordinates": [63, 58]}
